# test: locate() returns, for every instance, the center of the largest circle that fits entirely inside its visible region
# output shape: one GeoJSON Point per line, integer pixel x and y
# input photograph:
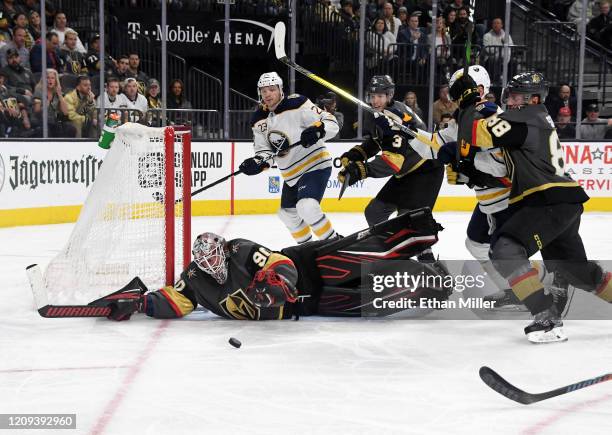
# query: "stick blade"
{"type": "Point", "coordinates": [347, 179]}
{"type": "Point", "coordinates": [503, 387]}
{"type": "Point", "coordinates": [279, 40]}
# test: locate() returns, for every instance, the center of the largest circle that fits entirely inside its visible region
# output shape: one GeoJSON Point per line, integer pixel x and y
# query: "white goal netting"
{"type": "Point", "coordinates": [126, 227]}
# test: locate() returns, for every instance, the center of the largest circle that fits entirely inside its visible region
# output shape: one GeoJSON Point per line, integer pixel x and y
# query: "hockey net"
{"type": "Point", "coordinates": [136, 220]}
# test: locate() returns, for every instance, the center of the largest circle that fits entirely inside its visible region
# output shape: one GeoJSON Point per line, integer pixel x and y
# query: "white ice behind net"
{"type": "Point", "coordinates": [120, 231]}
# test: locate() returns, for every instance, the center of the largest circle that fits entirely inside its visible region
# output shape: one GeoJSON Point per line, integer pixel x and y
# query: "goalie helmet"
{"type": "Point", "coordinates": [478, 74]}
{"type": "Point", "coordinates": [270, 79]}
{"type": "Point", "coordinates": [528, 84]}
{"type": "Point", "coordinates": [381, 85]}
{"type": "Point", "coordinates": [209, 253]}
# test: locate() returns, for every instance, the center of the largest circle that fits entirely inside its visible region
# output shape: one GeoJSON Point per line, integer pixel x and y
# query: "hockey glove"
{"type": "Point", "coordinates": [312, 134]}
{"type": "Point", "coordinates": [487, 109]}
{"type": "Point", "coordinates": [269, 289]}
{"type": "Point", "coordinates": [447, 154]}
{"type": "Point", "coordinates": [464, 91]}
{"type": "Point", "coordinates": [253, 165]}
{"type": "Point", "coordinates": [125, 302]}
{"type": "Point", "coordinates": [454, 177]}
{"type": "Point", "coordinates": [355, 154]}
{"type": "Point", "coordinates": [387, 123]}
{"type": "Point", "coordinates": [356, 170]}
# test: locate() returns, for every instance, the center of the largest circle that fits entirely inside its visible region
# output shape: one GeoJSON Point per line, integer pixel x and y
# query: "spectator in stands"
{"type": "Point", "coordinates": [153, 102]}
{"type": "Point", "coordinates": [443, 104]}
{"type": "Point", "coordinates": [92, 59]}
{"type": "Point", "coordinates": [416, 53]}
{"type": "Point", "coordinates": [113, 100]}
{"type": "Point", "coordinates": [34, 25]}
{"type": "Point", "coordinates": [402, 14]}
{"type": "Point", "coordinates": [593, 127]}
{"type": "Point", "coordinates": [380, 41]}
{"type": "Point", "coordinates": [454, 5]}
{"type": "Point", "coordinates": [564, 98]}
{"type": "Point", "coordinates": [61, 26]}
{"type": "Point", "coordinates": [393, 23]}
{"type": "Point", "coordinates": [600, 27]}
{"type": "Point", "coordinates": [460, 37]}
{"type": "Point", "coordinates": [134, 101]}
{"type": "Point", "coordinates": [452, 25]}
{"type": "Point", "coordinates": [425, 8]}
{"type": "Point", "coordinates": [493, 43]}
{"type": "Point", "coordinates": [135, 71]}
{"type": "Point", "coordinates": [329, 102]}
{"type": "Point", "coordinates": [57, 108]}
{"type": "Point", "coordinates": [410, 100]}
{"type": "Point", "coordinates": [445, 64]}
{"type": "Point", "coordinates": [14, 120]}
{"type": "Point", "coordinates": [351, 19]}
{"type": "Point", "coordinates": [55, 59]}
{"type": "Point", "coordinates": [565, 129]}
{"type": "Point", "coordinates": [445, 118]}
{"type": "Point", "coordinates": [575, 12]}
{"type": "Point", "coordinates": [21, 22]}
{"type": "Point", "coordinates": [75, 60]}
{"type": "Point", "coordinates": [19, 77]}
{"type": "Point", "coordinates": [122, 69]}
{"type": "Point", "coordinates": [81, 108]}
{"type": "Point", "coordinates": [18, 44]}
{"type": "Point", "coordinates": [177, 100]}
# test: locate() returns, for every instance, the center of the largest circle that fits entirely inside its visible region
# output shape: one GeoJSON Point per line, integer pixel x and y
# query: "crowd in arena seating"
{"type": "Point", "coordinates": [73, 70]}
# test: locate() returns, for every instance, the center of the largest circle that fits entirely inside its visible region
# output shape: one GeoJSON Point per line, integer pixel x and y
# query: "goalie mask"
{"type": "Point", "coordinates": [210, 255]}
{"type": "Point", "coordinates": [270, 79]}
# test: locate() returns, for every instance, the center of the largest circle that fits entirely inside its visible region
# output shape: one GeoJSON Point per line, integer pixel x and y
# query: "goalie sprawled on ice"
{"type": "Point", "coordinates": [241, 279]}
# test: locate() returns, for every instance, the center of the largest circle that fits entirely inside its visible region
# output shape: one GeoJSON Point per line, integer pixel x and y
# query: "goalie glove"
{"type": "Point", "coordinates": [125, 302]}
{"type": "Point", "coordinates": [269, 289]}
{"type": "Point", "coordinates": [356, 170]}
{"type": "Point", "coordinates": [253, 165]}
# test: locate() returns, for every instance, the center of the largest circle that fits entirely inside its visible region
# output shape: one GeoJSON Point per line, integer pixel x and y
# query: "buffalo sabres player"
{"type": "Point", "coordinates": [545, 204]}
{"type": "Point", "coordinates": [414, 182]}
{"type": "Point", "coordinates": [278, 123]}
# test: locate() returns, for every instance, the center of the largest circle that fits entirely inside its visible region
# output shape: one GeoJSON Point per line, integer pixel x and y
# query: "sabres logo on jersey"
{"type": "Point", "coordinates": [277, 139]}
{"type": "Point", "coordinates": [238, 306]}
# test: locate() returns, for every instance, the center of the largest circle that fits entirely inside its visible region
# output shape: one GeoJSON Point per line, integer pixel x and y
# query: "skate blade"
{"type": "Point", "coordinates": [555, 335]}
{"type": "Point", "coordinates": [510, 308]}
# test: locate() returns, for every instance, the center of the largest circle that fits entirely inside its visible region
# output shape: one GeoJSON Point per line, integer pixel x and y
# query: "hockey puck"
{"type": "Point", "coordinates": [235, 342]}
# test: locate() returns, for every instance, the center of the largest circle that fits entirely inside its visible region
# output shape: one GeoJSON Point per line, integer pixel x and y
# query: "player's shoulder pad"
{"type": "Point", "coordinates": [292, 102]}
{"type": "Point", "coordinates": [261, 113]}
{"type": "Point", "coordinates": [535, 115]}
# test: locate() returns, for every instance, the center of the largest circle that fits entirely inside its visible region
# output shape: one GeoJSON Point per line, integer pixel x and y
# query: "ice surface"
{"type": "Point", "coordinates": [322, 376]}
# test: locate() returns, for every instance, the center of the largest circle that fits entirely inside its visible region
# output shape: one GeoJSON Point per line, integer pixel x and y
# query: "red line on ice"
{"type": "Point", "coordinates": [554, 418]}
{"type": "Point", "coordinates": [128, 380]}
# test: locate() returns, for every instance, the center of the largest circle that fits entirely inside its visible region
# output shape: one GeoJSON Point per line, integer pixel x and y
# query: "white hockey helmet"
{"type": "Point", "coordinates": [478, 73]}
{"type": "Point", "coordinates": [270, 79]}
{"type": "Point", "coordinates": [209, 253]}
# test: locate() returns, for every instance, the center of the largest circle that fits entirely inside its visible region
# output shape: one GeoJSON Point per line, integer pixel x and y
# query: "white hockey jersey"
{"type": "Point", "coordinates": [293, 114]}
{"type": "Point", "coordinates": [490, 199]}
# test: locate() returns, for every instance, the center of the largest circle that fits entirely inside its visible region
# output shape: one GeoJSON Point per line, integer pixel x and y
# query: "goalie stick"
{"type": "Point", "coordinates": [279, 48]}
{"type": "Point", "coordinates": [98, 308]}
{"type": "Point", "coordinates": [505, 388]}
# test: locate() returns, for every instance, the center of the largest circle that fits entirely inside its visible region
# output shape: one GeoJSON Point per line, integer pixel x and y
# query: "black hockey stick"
{"type": "Point", "coordinates": [505, 388]}
{"type": "Point", "coordinates": [221, 180]}
{"type": "Point", "coordinates": [345, 183]}
{"type": "Point", "coordinates": [98, 308]}
{"type": "Point", "coordinates": [279, 48]}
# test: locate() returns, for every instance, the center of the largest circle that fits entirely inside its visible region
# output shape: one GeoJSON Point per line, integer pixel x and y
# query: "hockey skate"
{"type": "Point", "coordinates": [547, 327]}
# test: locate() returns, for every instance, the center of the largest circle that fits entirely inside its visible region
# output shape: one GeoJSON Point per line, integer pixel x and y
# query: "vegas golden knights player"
{"type": "Point", "coordinates": [545, 203]}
